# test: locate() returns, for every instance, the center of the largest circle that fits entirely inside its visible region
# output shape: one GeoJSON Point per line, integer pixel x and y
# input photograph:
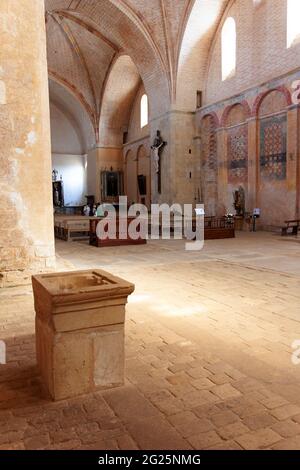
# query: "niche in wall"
{"type": "Point", "coordinates": [237, 145]}
{"type": "Point", "coordinates": [273, 191]}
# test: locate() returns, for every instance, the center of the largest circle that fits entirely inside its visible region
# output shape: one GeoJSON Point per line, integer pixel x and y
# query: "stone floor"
{"type": "Point", "coordinates": [209, 345]}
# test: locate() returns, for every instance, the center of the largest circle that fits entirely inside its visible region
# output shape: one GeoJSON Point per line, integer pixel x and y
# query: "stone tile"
{"type": "Point", "coordinates": [170, 406]}
{"type": "Point", "coordinates": [205, 440]}
{"type": "Point", "coordinates": [188, 424]}
{"type": "Point", "coordinates": [220, 379]}
{"type": "Point", "coordinates": [292, 443]}
{"type": "Point", "coordinates": [125, 442]}
{"type": "Point", "coordinates": [223, 418]}
{"type": "Point", "coordinates": [155, 433]}
{"type": "Point", "coordinates": [272, 403]}
{"type": "Point", "coordinates": [72, 444]}
{"type": "Point", "coordinates": [247, 409]}
{"type": "Point", "coordinates": [127, 402]}
{"type": "Point", "coordinates": [287, 428]}
{"type": "Point", "coordinates": [198, 398]}
{"type": "Point", "coordinates": [286, 411]}
{"type": "Point", "coordinates": [38, 442]}
{"type": "Point", "coordinates": [202, 384]}
{"type": "Point", "coordinates": [261, 439]}
{"type": "Point", "coordinates": [228, 445]}
{"type": "Point", "coordinates": [231, 431]}
{"type": "Point", "coordinates": [259, 421]}
{"type": "Point", "coordinates": [225, 391]}
{"type": "Point", "coordinates": [198, 372]}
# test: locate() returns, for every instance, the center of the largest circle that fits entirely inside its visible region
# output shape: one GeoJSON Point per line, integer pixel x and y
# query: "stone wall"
{"type": "Point", "coordinates": [66, 135]}
{"type": "Point", "coordinates": [262, 53]}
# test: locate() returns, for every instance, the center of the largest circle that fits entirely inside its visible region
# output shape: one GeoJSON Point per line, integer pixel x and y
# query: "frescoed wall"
{"type": "Point", "coordinates": [253, 139]}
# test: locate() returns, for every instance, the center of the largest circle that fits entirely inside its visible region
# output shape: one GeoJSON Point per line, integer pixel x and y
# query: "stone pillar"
{"type": "Point", "coordinates": [252, 202]}
{"type": "Point", "coordinates": [178, 159]}
{"type": "Point", "coordinates": [293, 157]}
{"type": "Point", "coordinates": [26, 215]}
{"type": "Point", "coordinates": [298, 165]}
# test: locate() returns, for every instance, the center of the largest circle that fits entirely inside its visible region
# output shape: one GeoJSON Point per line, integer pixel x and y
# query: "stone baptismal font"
{"type": "Point", "coordinates": [80, 320]}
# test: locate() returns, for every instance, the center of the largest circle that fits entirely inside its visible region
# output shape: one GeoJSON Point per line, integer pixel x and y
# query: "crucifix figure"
{"type": "Point", "coordinates": [157, 149]}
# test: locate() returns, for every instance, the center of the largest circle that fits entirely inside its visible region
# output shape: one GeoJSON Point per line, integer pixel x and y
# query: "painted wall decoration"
{"type": "Point", "coordinates": [209, 165]}
{"type": "Point", "coordinates": [209, 143]}
{"type": "Point", "coordinates": [237, 148]}
{"type": "Point", "coordinates": [273, 144]}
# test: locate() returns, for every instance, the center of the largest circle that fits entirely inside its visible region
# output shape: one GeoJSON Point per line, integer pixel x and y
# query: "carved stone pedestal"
{"type": "Point", "coordinates": [80, 331]}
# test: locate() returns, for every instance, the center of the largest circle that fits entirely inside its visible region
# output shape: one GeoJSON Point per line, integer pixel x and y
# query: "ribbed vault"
{"type": "Point", "coordinates": [167, 41]}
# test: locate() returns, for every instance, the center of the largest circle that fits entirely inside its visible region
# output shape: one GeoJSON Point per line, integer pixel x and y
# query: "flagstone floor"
{"type": "Point", "coordinates": [208, 352]}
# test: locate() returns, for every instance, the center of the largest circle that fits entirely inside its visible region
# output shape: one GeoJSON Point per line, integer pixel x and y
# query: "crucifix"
{"type": "Point", "coordinates": [157, 149]}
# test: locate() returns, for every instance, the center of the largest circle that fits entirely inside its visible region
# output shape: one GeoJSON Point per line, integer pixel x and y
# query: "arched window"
{"type": "Point", "coordinates": [228, 48]}
{"type": "Point", "coordinates": [144, 111]}
{"type": "Point", "coordinates": [293, 24]}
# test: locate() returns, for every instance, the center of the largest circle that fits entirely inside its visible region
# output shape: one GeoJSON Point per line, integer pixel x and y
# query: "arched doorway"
{"type": "Point", "coordinates": [144, 176]}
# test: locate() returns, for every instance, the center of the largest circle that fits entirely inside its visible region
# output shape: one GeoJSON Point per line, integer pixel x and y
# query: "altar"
{"type": "Point", "coordinates": [122, 236]}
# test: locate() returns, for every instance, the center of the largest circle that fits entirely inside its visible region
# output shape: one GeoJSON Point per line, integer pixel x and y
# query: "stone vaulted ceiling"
{"type": "Point", "coordinates": [86, 37]}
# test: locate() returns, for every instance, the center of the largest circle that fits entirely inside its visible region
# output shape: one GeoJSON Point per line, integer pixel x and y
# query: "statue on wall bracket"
{"type": "Point", "coordinates": [239, 201]}
{"type": "Point", "coordinates": [157, 149]}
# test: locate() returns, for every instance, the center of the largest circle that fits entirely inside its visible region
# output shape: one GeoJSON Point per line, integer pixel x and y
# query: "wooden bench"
{"type": "Point", "coordinates": [217, 228]}
{"type": "Point", "coordinates": [76, 230]}
{"type": "Point", "coordinates": [72, 228]}
{"type": "Point", "coordinates": [291, 227]}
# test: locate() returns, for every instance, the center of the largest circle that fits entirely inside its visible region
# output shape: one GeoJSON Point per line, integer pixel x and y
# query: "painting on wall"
{"type": "Point", "coordinates": [209, 144]}
{"type": "Point", "coordinates": [238, 154]}
{"type": "Point", "coordinates": [111, 185]}
{"type": "Point", "coordinates": [273, 142]}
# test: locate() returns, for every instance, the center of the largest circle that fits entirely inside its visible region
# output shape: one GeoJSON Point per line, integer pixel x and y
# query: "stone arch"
{"type": "Point", "coordinates": [75, 111]}
{"type": "Point", "coordinates": [214, 117]}
{"type": "Point", "coordinates": [235, 113]}
{"type": "Point", "coordinates": [197, 34]}
{"type": "Point", "coordinates": [282, 90]}
{"type": "Point", "coordinates": [119, 92]}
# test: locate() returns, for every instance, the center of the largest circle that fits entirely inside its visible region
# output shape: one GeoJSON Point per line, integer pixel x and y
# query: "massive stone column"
{"type": "Point", "coordinates": [26, 214]}
{"type": "Point", "coordinates": [178, 158]}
